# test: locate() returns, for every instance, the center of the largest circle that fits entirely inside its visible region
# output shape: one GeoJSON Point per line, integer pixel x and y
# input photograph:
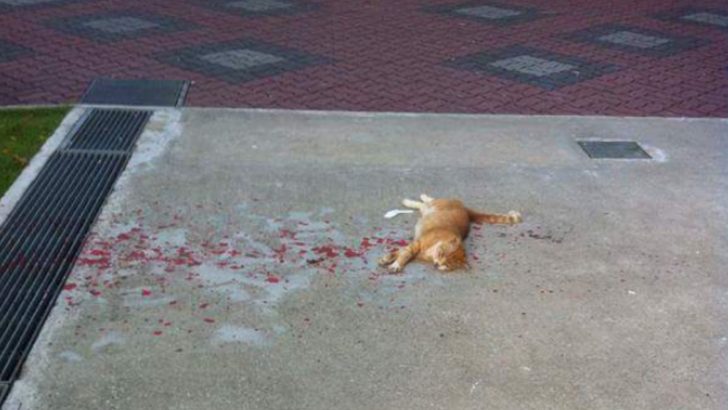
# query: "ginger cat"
{"type": "Point", "coordinates": [440, 232]}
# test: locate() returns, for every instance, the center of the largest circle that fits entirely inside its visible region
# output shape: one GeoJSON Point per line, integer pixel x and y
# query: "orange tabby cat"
{"type": "Point", "coordinates": [440, 232]}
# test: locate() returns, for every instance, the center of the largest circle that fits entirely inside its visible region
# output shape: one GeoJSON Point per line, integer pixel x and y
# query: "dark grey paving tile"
{"type": "Point", "coordinates": [636, 40]}
{"type": "Point", "coordinates": [119, 25]}
{"type": "Point", "coordinates": [533, 66]}
{"type": "Point", "coordinates": [10, 51]}
{"type": "Point", "coordinates": [702, 16]}
{"type": "Point", "coordinates": [240, 60]}
{"type": "Point", "coordinates": [488, 12]}
{"type": "Point", "coordinates": [259, 8]}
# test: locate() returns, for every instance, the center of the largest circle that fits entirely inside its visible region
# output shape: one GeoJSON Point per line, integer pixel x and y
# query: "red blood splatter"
{"type": "Point", "coordinates": [70, 286]}
{"type": "Point", "coordinates": [102, 263]}
{"type": "Point", "coordinates": [285, 233]}
{"type": "Point", "coordinates": [209, 320]}
{"type": "Point", "coordinates": [281, 252]}
{"type": "Point", "coordinates": [273, 279]}
{"type": "Point", "coordinates": [94, 292]}
{"type": "Point", "coordinates": [137, 255]}
{"type": "Point", "coordinates": [365, 244]}
{"type": "Point", "coordinates": [350, 253]}
{"type": "Point", "coordinates": [123, 237]}
{"type": "Point", "coordinates": [185, 258]}
{"type": "Point", "coordinates": [146, 292]}
{"type": "Point", "coordinates": [157, 333]}
{"type": "Point", "coordinates": [327, 250]}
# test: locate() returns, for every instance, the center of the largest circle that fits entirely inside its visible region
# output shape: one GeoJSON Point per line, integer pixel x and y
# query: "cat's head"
{"type": "Point", "coordinates": [450, 255]}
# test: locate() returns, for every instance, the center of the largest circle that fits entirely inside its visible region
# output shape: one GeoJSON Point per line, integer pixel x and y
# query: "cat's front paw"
{"type": "Point", "coordinates": [395, 267]}
{"type": "Point", "coordinates": [386, 259]}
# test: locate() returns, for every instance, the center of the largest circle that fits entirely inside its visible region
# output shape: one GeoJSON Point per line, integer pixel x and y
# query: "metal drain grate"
{"type": "Point", "coordinates": [41, 238]}
{"type": "Point", "coordinates": [159, 93]}
{"type": "Point", "coordinates": [109, 130]}
{"type": "Point", "coordinates": [39, 244]}
{"type": "Point", "coordinates": [4, 390]}
{"type": "Point", "coordinates": [613, 150]}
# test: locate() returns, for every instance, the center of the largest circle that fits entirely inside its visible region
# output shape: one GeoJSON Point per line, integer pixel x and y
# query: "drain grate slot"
{"type": "Point", "coordinates": [613, 150]}
{"type": "Point", "coordinates": [43, 234]}
{"type": "Point", "coordinates": [112, 130]}
{"type": "Point", "coordinates": [160, 93]}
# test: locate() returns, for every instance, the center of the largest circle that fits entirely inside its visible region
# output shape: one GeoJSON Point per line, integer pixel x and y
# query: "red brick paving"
{"type": "Point", "coordinates": [387, 56]}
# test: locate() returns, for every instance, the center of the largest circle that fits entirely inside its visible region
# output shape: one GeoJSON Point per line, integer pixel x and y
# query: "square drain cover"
{"type": "Point", "coordinates": [613, 150]}
{"type": "Point", "coordinates": [165, 93]}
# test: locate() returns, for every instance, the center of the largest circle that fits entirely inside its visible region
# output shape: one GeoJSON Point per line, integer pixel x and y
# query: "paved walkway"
{"type": "Point", "coordinates": [530, 57]}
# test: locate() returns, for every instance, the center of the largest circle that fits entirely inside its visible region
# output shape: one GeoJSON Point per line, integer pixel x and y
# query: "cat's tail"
{"type": "Point", "coordinates": [510, 218]}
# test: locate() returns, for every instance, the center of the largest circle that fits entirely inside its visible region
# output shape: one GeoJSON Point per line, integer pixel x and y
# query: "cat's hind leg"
{"type": "Point", "coordinates": [426, 198]}
{"type": "Point", "coordinates": [412, 204]}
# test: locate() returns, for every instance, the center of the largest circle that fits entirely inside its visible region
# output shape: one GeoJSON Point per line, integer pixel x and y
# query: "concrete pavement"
{"type": "Point", "coordinates": [234, 268]}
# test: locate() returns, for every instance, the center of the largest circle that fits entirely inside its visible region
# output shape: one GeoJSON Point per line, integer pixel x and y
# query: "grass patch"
{"type": "Point", "coordinates": [22, 133]}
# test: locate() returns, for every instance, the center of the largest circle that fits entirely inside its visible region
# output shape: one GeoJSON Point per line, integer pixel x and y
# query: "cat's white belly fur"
{"type": "Point", "coordinates": [425, 210]}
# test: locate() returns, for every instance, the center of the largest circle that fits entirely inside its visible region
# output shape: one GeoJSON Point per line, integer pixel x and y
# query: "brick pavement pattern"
{"type": "Point", "coordinates": [623, 57]}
